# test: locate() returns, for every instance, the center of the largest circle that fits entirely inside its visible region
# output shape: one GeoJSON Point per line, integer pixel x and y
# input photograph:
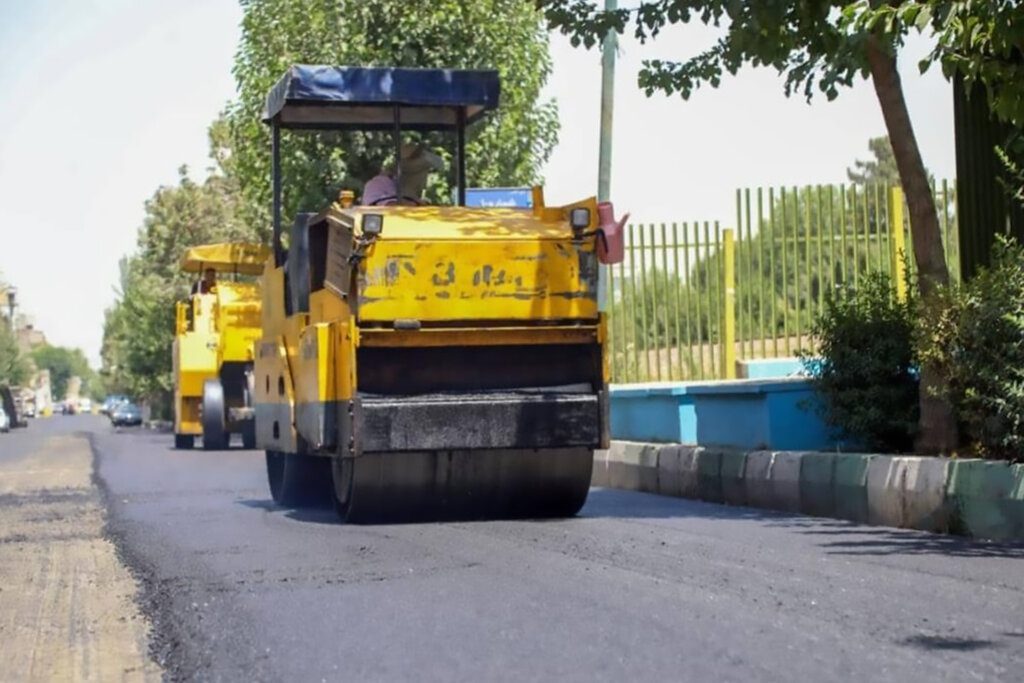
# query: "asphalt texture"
{"type": "Point", "coordinates": [636, 587]}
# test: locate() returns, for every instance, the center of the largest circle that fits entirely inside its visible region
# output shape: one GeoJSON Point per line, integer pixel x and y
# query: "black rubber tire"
{"type": "Point", "coordinates": [249, 434]}
{"type": "Point", "coordinates": [184, 441]}
{"type": "Point", "coordinates": [215, 434]}
{"type": "Point", "coordinates": [341, 484]}
{"type": "Point", "coordinates": [275, 475]}
{"type": "Point", "coordinates": [298, 480]}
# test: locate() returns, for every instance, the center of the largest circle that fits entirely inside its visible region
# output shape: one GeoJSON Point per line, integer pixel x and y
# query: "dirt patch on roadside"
{"type": "Point", "coordinates": [67, 609]}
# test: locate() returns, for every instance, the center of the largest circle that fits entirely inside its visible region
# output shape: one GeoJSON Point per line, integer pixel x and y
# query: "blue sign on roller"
{"type": "Point", "coordinates": [513, 197]}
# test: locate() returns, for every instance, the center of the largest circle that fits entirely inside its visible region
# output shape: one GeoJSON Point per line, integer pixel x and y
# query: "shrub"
{"type": "Point", "coordinates": [976, 339]}
{"type": "Point", "coordinates": [864, 371]}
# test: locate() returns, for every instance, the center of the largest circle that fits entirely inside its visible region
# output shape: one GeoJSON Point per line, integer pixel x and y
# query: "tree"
{"type": "Point", "coordinates": [139, 327]}
{"type": "Point", "coordinates": [14, 367]}
{"type": "Point", "coordinates": [508, 149]}
{"type": "Point", "coordinates": [880, 169]}
{"type": "Point", "coordinates": [817, 47]}
{"type": "Point", "coordinates": [63, 364]}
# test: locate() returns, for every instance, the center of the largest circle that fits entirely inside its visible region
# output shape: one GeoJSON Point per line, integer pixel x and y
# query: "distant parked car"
{"type": "Point", "coordinates": [5, 422]}
{"type": "Point", "coordinates": [126, 415]}
{"type": "Point", "coordinates": [30, 410]}
{"type": "Point", "coordinates": [111, 402]}
{"type": "Point", "coordinates": [84, 406]}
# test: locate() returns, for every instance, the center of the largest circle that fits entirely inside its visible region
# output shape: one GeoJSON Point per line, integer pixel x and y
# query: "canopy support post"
{"type": "Point", "coordinates": [398, 154]}
{"type": "Point", "coordinates": [460, 153]}
{"type": "Point", "coordinates": [275, 171]}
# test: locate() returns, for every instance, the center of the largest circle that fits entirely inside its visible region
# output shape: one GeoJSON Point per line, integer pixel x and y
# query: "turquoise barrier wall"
{"type": "Point", "coordinates": [659, 412]}
{"type": "Point", "coordinates": [776, 414]}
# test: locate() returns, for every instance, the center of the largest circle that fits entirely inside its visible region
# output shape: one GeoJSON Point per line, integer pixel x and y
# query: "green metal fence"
{"type": "Point", "coordinates": [691, 298]}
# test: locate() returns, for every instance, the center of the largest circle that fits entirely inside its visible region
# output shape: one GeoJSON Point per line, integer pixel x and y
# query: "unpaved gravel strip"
{"type": "Point", "coordinates": [67, 609]}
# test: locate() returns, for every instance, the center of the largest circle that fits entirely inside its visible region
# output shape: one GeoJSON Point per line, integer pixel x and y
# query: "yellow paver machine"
{"type": "Point", "coordinates": [215, 336]}
{"type": "Point", "coordinates": [425, 362]}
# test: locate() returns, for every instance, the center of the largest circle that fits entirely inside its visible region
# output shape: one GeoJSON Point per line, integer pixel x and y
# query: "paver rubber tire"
{"type": "Point", "coordinates": [215, 434]}
{"type": "Point", "coordinates": [184, 441]}
{"type": "Point", "coordinates": [249, 434]}
{"type": "Point", "coordinates": [341, 484]}
{"type": "Point", "coordinates": [298, 480]}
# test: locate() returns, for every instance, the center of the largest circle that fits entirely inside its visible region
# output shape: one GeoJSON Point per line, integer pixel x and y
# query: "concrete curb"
{"type": "Point", "coordinates": [817, 489]}
{"type": "Point", "coordinates": [979, 498]}
{"type": "Point", "coordinates": [885, 495]}
{"type": "Point", "coordinates": [633, 466]}
{"type": "Point", "coordinates": [677, 471]}
{"type": "Point", "coordinates": [599, 474]}
{"type": "Point", "coordinates": [986, 498]}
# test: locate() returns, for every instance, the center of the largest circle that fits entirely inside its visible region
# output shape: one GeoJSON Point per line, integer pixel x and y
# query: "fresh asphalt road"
{"type": "Point", "coordinates": [635, 587]}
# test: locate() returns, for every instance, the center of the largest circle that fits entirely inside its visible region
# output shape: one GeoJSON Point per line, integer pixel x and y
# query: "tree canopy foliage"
{"type": "Point", "coordinates": [981, 41]}
{"type": "Point", "coordinates": [63, 364]}
{"type": "Point", "coordinates": [139, 326]}
{"type": "Point", "coordinates": [881, 168]}
{"type": "Point", "coordinates": [14, 366]}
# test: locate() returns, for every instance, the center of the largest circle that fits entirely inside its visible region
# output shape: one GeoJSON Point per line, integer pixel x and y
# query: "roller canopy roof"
{"type": "Point", "coordinates": [236, 257]}
{"type": "Point", "coordinates": [364, 98]}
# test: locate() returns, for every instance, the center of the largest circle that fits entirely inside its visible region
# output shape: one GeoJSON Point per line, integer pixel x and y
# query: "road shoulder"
{"type": "Point", "coordinates": [67, 604]}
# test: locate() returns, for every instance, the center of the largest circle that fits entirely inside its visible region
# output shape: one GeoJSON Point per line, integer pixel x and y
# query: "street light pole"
{"type": "Point", "coordinates": [604, 162]}
{"type": "Point", "coordinates": [11, 293]}
{"type": "Point", "coordinates": [604, 158]}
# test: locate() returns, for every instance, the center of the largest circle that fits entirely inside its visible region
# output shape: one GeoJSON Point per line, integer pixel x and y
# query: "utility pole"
{"type": "Point", "coordinates": [604, 162]}
{"type": "Point", "coordinates": [11, 293]}
{"type": "Point", "coordinates": [604, 159]}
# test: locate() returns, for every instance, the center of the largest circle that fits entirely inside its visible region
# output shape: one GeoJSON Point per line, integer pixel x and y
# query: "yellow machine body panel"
{"type": "Point", "coordinates": [194, 360]}
{"type": "Point", "coordinates": [314, 365]}
{"type": "Point", "coordinates": [462, 279]}
{"type": "Point", "coordinates": [456, 263]}
{"type": "Point", "coordinates": [275, 397]}
{"type": "Point", "coordinates": [238, 320]}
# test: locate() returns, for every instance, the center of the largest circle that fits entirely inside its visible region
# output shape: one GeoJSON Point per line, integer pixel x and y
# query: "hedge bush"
{"type": "Point", "coordinates": [975, 335]}
{"type": "Point", "coordinates": [864, 368]}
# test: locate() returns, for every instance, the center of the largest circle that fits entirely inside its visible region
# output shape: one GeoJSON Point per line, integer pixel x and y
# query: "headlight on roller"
{"type": "Point", "coordinates": [579, 219]}
{"type": "Point", "coordinates": [373, 224]}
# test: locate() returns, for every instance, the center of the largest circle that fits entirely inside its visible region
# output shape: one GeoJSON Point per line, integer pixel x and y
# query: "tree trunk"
{"type": "Point", "coordinates": [937, 427]}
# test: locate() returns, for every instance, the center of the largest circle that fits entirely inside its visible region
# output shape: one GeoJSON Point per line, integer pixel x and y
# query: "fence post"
{"type": "Point", "coordinates": [897, 243]}
{"type": "Point", "coordinates": [728, 325]}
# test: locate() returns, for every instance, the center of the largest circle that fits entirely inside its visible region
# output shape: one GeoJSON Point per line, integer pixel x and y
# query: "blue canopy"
{"type": "Point", "coordinates": [365, 98]}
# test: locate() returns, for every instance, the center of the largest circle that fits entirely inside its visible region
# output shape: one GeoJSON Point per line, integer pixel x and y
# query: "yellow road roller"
{"type": "Point", "coordinates": [216, 329]}
{"type": "Point", "coordinates": [417, 361]}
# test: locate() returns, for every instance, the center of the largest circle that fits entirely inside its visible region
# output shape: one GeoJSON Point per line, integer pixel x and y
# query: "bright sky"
{"type": "Point", "coordinates": [105, 99]}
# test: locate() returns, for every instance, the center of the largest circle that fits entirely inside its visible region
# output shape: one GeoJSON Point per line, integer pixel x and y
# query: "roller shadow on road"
{"type": "Point", "coordinates": [320, 513]}
{"type": "Point", "coordinates": [601, 503]}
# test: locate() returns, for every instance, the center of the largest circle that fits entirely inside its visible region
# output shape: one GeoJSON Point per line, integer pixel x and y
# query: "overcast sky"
{"type": "Point", "coordinates": [103, 100]}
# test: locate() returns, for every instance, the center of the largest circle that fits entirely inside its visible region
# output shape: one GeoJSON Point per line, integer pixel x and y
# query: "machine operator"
{"type": "Point", "coordinates": [207, 284]}
{"type": "Point", "coordinates": [416, 164]}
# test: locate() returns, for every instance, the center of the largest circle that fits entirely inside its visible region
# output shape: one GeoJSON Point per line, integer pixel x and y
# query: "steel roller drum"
{"type": "Point", "coordinates": [462, 484]}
